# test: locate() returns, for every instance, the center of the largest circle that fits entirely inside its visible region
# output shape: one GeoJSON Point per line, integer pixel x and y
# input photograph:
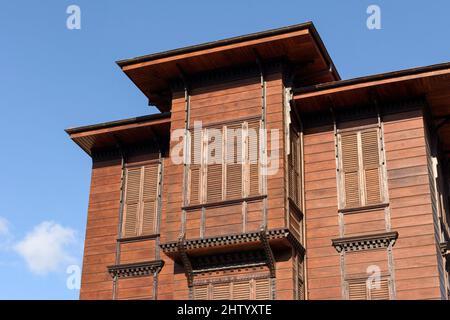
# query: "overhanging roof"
{"type": "Point", "coordinates": [132, 131]}
{"type": "Point", "coordinates": [430, 82]}
{"type": "Point", "coordinates": [300, 44]}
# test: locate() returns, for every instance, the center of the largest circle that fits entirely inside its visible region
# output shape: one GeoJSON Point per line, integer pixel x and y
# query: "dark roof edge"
{"type": "Point", "coordinates": [116, 123]}
{"type": "Point", "coordinates": [306, 25]}
{"type": "Point", "coordinates": [375, 77]}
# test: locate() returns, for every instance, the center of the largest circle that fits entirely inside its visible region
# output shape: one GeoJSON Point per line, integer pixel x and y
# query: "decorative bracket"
{"type": "Point", "coordinates": [365, 242]}
{"type": "Point", "coordinates": [181, 245]}
{"type": "Point", "coordinates": [267, 250]}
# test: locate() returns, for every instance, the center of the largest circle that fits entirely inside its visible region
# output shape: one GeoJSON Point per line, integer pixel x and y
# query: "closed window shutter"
{"type": "Point", "coordinates": [149, 197]}
{"type": "Point", "coordinates": [241, 290]}
{"type": "Point", "coordinates": [253, 156]}
{"type": "Point", "coordinates": [131, 207]}
{"type": "Point", "coordinates": [371, 166]}
{"type": "Point", "coordinates": [201, 292]}
{"type": "Point", "coordinates": [253, 289]}
{"type": "Point", "coordinates": [361, 168]}
{"type": "Point", "coordinates": [214, 168]}
{"type": "Point", "coordinates": [350, 166]}
{"type": "Point", "coordinates": [381, 293]}
{"type": "Point", "coordinates": [234, 161]}
{"type": "Point", "coordinates": [359, 290]}
{"type": "Point", "coordinates": [221, 291]}
{"type": "Point", "coordinates": [298, 277]}
{"type": "Point", "coordinates": [294, 168]}
{"type": "Point", "coordinates": [141, 200]}
{"type": "Point", "coordinates": [195, 166]}
{"type": "Point", "coordinates": [262, 289]}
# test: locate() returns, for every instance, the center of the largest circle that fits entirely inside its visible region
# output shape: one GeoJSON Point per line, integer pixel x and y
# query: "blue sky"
{"type": "Point", "coordinates": [53, 78]}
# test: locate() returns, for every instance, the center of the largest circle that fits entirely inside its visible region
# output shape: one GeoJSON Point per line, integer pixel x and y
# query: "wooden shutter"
{"type": "Point", "coordinates": [234, 161]}
{"type": "Point", "coordinates": [262, 289]}
{"type": "Point", "coordinates": [221, 291]}
{"type": "Point", "coordinates": [214, 169]}
{"type": "Point", "coordinates": [298, 277]}
{"type": "Point", "coordinates": [361, 168]}
{"type": "Point", "coordinates": [294, 168]}
{"type": "Point", "coordinates": [141, 200]}
{"type": "Point", "coordinates": [350, 167]}
{"type": "Point", "coordinates": [359, 290]}
{"type": "Point", "coordinates": [381, 293]}
{"type": "Point", "coordinates": [253, 157]}
{"type": "Point", "coordinates": [149, 199]}
{"type": "Point", "coordinates": [371, 166]}
{"type": "Point", "coordinates": [131, 206]}
{"type": "Point", "coordinates": [201, 292]}
{"type": "Point", "coordinates": [256, 289]}
{"type": "Point", "coordinates": [195, 166]}
{"type": "Point", "coordinates": [241, 290]}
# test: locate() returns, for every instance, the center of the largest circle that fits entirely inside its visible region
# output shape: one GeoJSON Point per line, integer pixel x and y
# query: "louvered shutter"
{"type": "Point", "coordinates": [371, 166]}
{"type": "Point", "coordinates": [381, 293]}
{"type": "Point", "coordinates": [201, 292]}
{"type": "Point", "coordinates": [221, 291]}
{"type": "Point", "coordinates": [360, 290]}
{"type": "Point", "coordinates": [131, 206]}
{"type": "Point", "coordinates": [350, 166]}
{"type": "Point", "coordinates": [214, 167]}
{"type": "Point", "coordinates": [298, 276]}
{"type": "Point", "coordinates": [253, 157]}
{"type": "Point", "coordinates": [294, 168]}
{"type": "Point", "coordinates": [262, 289]}
{"type": "Point", "coordinates": [149, 199]}
{"type": "Point", "coordinates": [234, 161]}
{"type": "Point", "coordinates": [357, 290]}
{"type": "Point", "coordinates": [241, 290]}
{"type": "Point", "coordinates": [195, 166]}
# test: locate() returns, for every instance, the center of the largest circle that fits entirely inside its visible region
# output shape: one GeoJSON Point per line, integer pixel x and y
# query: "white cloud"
{"type": "Point", "coordinates": [4, 227]}
{"type": "Point", "coordinates": [45, 248]}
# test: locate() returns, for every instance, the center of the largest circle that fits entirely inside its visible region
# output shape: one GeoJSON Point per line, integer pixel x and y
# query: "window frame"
{"type": "Point", "coordinates": [141, 166]}
{"type": "Point", "coordinates": [382, 175]}
{"type": "Point", "coordinates": [246, 191]}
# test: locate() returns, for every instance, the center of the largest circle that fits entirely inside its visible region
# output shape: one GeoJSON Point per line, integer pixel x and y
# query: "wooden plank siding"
{"type": "Point", "coordinates": [322, 225]}
{"type": "Point", "coordinates": [415, 257]}
{"type": "Point", "coordinates": [101, 230]}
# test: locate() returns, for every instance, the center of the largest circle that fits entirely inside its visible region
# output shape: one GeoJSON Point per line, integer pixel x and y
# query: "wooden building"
{"type": "Point", "coordinates": [348, 197]}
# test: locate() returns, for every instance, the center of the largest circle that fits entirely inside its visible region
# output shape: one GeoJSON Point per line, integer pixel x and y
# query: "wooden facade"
{"type": "Point", "coordinates": [266, 176]}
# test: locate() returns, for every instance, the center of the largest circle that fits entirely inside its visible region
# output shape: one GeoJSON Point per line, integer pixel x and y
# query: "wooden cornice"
{"type": "Point", "coordinates": [365, 242]}
{"type": "Point", "coordinates": [138, 269]}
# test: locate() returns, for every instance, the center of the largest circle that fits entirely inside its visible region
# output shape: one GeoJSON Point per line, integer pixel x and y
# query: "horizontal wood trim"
{"type": "Point", "coordinates": [364, 208]}
{"type": "Point", "coordinates": [139, 238]}
{"type": "Point", "coordinates": [223, 203]}
{"type": "Point", "coordinates": [231, 121]}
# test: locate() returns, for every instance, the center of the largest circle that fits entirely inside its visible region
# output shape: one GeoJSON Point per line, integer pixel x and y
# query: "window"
{"type": "Point", "coordinates": [254, 289]}
{"type": "Point", "coordinates": [360, 168]}
{"type": "Point", "coordinates": [358, 289]}
{"type": "Point", "coordinates": [294, 163]}
{"type": "Point", "coordinates": [141, 200]}
{"type": "Point", "coordinates": [224, 163]}
{"type": "Point", "coordinates": [298, 277]}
